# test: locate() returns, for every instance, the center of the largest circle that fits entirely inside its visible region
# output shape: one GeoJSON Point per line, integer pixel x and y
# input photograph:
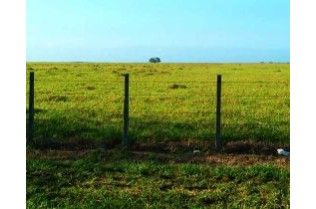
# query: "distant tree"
{"type": "Point", "coordinates": [154, 60]}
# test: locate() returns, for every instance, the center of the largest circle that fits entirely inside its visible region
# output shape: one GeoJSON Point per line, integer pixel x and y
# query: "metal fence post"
{"type": "Point", "coordinates": [31, 110]}
{"type": "Point", "coordinates": [218, 112]}
{"type": "Point", "coordinates": [126, 110]}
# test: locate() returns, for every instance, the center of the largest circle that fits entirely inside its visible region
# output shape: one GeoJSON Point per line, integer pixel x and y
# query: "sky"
{"type": "Point", "coordinates": [174, 30]}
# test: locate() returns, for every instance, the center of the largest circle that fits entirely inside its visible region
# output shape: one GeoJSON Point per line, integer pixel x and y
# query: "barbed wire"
{"type": "Point", "coordinates": [254, 82]}
{"type": "Point", "coordinates": [252, 122]}
{"type": "Point", "coordinates": [170, 113]}
{"type": "Point", "coordinates": [161, 82]}
{"type": "Point", "coordinates": [241, 97]}
{"type": "Point", "coordinates": [81, 81]}
{"type": "Point", "coordinates": [111, 95]}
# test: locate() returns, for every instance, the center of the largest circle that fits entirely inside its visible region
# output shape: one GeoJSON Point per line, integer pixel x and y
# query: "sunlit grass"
{"type": "Point", "coordinates": [83, 103]}
{"type": "Point", "coordinates": [167, 101]}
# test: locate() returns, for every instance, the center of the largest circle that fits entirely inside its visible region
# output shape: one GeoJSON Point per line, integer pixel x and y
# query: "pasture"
{"type": "Point", "coordinates": [77, 160]}
{"type": "Point", "coordinates": [168, 102]}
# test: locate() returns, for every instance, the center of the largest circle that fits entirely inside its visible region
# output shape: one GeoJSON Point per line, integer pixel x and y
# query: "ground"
{"type": "Point", "coordinates": [147, 176]}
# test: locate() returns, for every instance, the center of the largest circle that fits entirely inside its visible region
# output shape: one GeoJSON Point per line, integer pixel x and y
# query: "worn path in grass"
{"type": "Point", "coordinates": [206, 158]}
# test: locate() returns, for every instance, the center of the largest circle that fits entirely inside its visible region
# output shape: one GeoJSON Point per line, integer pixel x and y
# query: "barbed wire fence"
{"type": "Point", "coordinates": [147, 109]}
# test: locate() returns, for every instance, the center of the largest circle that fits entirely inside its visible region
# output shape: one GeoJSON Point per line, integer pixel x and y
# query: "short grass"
{"type": "Point", "coordinates": [118, 178]}
{"type": "Point", "coordinates": [168, 102]}
{"type": "Point", "coordinates": [76, 161]}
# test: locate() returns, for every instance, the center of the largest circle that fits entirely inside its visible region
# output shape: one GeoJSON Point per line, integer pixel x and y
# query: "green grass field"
{"type": "Point", "coordinates": [77, 161]}
{"type": "Point", "coordinates": [167, 101]}
{"type": "Point", "coordinates": [129, 179]}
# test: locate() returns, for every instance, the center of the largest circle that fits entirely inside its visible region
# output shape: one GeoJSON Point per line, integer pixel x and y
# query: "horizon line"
{"type": "Point", "coordinates": [187, 62]}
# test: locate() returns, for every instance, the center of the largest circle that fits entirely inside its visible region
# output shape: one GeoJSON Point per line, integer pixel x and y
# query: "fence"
{"type": "Point", "coordinates": [138, 110]}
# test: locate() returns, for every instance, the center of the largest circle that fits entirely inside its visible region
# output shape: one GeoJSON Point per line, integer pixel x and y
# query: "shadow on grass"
{"type": "Point", "coordinates": [75, 131]}
{"type": "Point", "coordinates": [108, 173]}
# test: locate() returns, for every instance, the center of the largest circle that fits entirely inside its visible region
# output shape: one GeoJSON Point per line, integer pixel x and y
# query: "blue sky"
{"type": "Point", "coordinates": [174, 30]}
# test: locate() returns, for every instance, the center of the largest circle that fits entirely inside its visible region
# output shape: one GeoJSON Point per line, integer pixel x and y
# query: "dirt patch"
{"type": "Point", "coordinates": [56, 154]}
{"type": "Point", "coordinates": [75, 144]}
{"type": "Point", "coordinates": [254, 147]}
{"type": "Point", "coordinates": [246, 160]}
{"type": "Point", "coordinates": [212, 159]}
{"type": "Point", "coordinates": [216, 159]}
{"type": "Point", "coordinates": [177, 86]}
{"type": "Point", "coordinates": [235, 147]}
{"type": "Point", "coordinates": [242, 153]}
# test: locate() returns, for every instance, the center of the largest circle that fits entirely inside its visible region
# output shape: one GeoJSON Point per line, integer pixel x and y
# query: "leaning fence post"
{"type": "Point", "coordinates": [126, 110]}
{"type": "Point", "coordinates": [218, 112]}
{"type": "Point", "coordinates": [31, 110]}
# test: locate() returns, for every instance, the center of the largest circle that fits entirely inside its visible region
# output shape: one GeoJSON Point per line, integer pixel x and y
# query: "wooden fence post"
{"type": "Point", "coordinates": [31, 110]}
{"type": "Point", "coordinates": [218, 112]}
{"type": "Point", "coordinates": [126, 110]}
